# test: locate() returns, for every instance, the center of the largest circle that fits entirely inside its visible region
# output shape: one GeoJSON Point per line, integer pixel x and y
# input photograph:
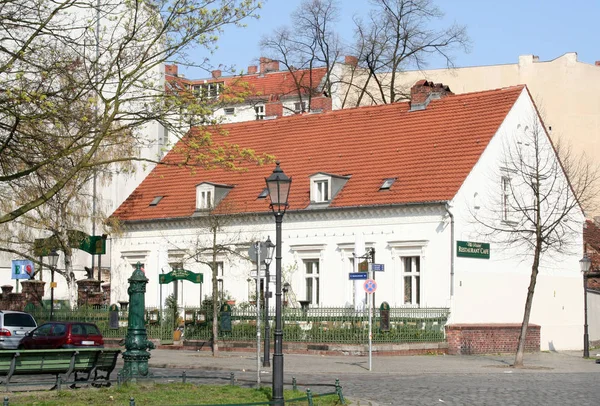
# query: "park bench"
{"type": "Point", "coordinates": [65, 362]}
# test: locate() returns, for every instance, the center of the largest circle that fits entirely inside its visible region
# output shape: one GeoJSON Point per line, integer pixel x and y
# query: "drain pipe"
{"type": "Point", "coordinates": [451, 249]}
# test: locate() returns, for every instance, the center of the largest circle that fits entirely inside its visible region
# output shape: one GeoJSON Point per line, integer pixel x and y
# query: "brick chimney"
{"type": "Point", "coordinates": [171, 70]}
{"type": "Point", "coordinates": [351, 60]}
{"type": "Point", "coordinates": [268, 65]}
{"type": "Point", "coordinates": [423, 92]}
{"type": "Point", "coordinates": [252, 69]}
{"type": "Point", "coordinates": [216, 74]}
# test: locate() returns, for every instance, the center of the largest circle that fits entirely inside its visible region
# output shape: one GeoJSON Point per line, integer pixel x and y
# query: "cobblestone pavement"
{"type": "Point", "coordinates": [548, 378]}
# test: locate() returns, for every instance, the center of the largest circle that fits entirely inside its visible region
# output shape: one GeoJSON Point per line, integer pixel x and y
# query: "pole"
{"type": "Point", "coordinates": [51, 293]}
{"type": "Point", "coordinates": [586, 338]}
{"type": "Point", "coordinates": [370, 336]}
{"type": "Point", "coordinates": [257, 246]}
{"type": "Point", "coordinates": [99, 267]}
{"type": "Point", "coordinates": [267, 356]}
{"type": "Point", "coordinates": [278, 353]}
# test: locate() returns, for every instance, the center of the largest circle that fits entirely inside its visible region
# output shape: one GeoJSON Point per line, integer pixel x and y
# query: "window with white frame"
{"type": "Point", "coordinates": [311, 275]}
{"type": "Point", "coordinates": [299, 107]}
{"type": "Point", "coordinates": [260, 111]}
{"type": "Point", "coordinates": [411, 275]}
{"type": "Point", "coordinates": [204, 197]}
{"type": "Point", "coordinates": [321, 190]}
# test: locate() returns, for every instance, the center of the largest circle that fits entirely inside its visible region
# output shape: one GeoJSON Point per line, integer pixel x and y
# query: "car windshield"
{"type": "Point", "coordinates": [18, 320]}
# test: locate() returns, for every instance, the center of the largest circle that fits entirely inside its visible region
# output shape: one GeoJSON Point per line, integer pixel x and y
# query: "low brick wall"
{"type": "Point", "coordinates": [465, 339]}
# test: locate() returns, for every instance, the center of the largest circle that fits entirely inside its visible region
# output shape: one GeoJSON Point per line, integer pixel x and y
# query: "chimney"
{"type": "Point", "coordinates": [171, 70]}
{"type": "Point", "coordinates": [351, 60]}
{"type": "Point", "coordinates": [423, 92]}
{"type": "Point", "coordinates": [252, 70]}
{"type": "Point", "coordinates": [268, 65]}
{"type": "Point", "coordinates": [216, 74]}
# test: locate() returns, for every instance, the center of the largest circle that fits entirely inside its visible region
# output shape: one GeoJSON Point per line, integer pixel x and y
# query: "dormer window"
{"type": "Point", "coordinates": [204, 196]}
{"type": "Point", "coordinates": [209, 195]}
{"type": "Point", "coordinates": [324, 187]}
{"type": "Point", "coordinates": [321, 190]}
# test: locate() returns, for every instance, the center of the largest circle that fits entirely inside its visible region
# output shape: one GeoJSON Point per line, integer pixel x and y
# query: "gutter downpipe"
{"type": "Point", "coordinates": [447, 207]}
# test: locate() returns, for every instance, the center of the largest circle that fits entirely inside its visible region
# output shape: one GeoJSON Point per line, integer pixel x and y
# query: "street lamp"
{"type": "Point", "coordinates": [584, 265]}
{"type": "Point", "coordinates": [279, 189]}
{"type": "Point", "coordinates": [270, 247]}
{"type": "Point", "coordinates": [52, 261]}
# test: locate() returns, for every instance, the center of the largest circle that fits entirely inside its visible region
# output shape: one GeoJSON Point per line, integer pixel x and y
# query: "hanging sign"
{"type": "Point", "coordinates": [180, 274]}
{"type": "Point", "coordinates": [471, 249]}
{"type": "Point", "coordinates": [22, 269]}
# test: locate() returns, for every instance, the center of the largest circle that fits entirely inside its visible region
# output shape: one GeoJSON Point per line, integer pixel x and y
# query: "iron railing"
{"type": "Point", "coordinates": [313, 325]}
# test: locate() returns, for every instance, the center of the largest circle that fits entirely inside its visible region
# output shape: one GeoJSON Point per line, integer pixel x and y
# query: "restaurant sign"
{"type": "Point", "coordinates": [471, 249]}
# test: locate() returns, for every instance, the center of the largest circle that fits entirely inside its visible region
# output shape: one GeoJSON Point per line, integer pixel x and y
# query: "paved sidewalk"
{"type": "Point", "coordinates": [563, 362]}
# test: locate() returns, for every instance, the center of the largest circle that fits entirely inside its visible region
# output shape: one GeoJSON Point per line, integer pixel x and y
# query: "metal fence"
{"type": "Point", "coordinates": [314, 325]}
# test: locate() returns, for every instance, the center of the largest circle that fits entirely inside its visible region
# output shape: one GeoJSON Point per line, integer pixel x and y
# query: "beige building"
{"type": "Point", "coordinates": [566, 91]}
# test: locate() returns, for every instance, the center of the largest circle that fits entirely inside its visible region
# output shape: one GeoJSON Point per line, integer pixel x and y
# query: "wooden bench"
{"type": "Point", "coordinates": [65, 362]}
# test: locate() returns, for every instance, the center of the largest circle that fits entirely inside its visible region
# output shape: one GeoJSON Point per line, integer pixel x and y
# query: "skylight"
{"type": "Point", "coordinates": [155, 201]}
{"type": "Point", "coordinates": [387, 184]}
{"type": "Point", "coordinates": [264, 193]}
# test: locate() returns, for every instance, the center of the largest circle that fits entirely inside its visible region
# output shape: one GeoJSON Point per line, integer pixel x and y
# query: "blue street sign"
{"type": "Point", "coordinates": [357, 275]}
{"type": "Point", "coordinates": [377, 267]}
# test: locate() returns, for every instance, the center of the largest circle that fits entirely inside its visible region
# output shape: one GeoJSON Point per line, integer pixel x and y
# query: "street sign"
{"type": "Point", "coordinates": [357, 275]}
{"type": "Point", "coordinates": [377, 267]}
{"type": "Point", "coordinates": [180, 274]}
{"type": "Point", "coordinates": [22, 269]}
{"type": "Point", "coordinates": [370, 286]}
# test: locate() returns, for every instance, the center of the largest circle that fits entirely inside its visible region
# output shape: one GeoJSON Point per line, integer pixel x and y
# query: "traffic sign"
{"type": "Point", "coordinates": [357, 275]}
{"type": "Point", "coordinates": [377, 267]}
{"type": "Point", "coordinates": [370, 286]}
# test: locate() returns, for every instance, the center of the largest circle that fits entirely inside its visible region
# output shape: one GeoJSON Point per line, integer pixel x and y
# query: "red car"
{"type": "Point", "coordinates": [58, 334]}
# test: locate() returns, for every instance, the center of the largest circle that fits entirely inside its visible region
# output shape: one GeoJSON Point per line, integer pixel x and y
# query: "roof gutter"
{"type": "Point", "coordinates": [447, 207]}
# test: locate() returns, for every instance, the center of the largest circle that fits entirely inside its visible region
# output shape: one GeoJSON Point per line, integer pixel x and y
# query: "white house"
{"type": "Point", "coordinates": [407, 180]}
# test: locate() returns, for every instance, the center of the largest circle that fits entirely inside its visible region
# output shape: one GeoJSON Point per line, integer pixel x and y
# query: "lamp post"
{"type": "Point", "coordinates": [52, 261]}
{"type": "Point", "coordinates": [584, 265]}
{"type": "Point", "coordinates": [279, 189]}
{"type": "Point", "coordinates": [270, 247]}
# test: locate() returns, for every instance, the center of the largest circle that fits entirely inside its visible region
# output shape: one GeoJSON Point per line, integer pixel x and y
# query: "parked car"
{"type": "Point", "coordinates": [59, 334]}
{"type": "Point", "coordinates": [14, 326]}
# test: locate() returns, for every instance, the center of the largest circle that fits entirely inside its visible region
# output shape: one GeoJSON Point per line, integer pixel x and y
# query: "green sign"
{"type": "Point", "coordinates": [92, 244]}
{"type": "Point", "coordinates": [471, 249]}
{"type": "Point", "coordinates": [180, 274]}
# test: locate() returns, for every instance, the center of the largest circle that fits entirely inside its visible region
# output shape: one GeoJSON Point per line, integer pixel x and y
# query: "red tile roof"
{"type": "Point", "coordinates": [430, 152]}
{"type": "Point", "coordinates": [271, 85]}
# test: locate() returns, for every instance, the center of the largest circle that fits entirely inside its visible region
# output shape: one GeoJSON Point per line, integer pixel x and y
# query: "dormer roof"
{"type": "Point", "coordinates": [431, 152]}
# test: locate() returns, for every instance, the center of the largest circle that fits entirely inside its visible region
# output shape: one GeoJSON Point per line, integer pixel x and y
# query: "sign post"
{"type": "Point", "coordinates": [370, 287]}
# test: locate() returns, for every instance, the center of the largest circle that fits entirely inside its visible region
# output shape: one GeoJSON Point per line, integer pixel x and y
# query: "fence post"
{"type": "Point", "coordinates": [5, 401]}
{"type": "Point", "coordinates": [294, 384]}
{"type": "Point", "coordinates": [338, 390]}
{"type": "Point", "coordinates": [309, 396]}
{"type": "Point", "coordinates": [183, 377]}
{"type": "Point", "coordinates": [58, 383]}
{"type": "Point", "coordinates": [232, 379]}
{"type": "Point", "coordinates": [131, 401]}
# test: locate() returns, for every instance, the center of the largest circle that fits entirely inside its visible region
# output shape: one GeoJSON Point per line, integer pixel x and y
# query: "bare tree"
{"type": "Point", "coordinates": [82, 79]}
{"type": "Point", "coordinates": [543, 190]}
{"type": "Point", "coordinates": [309, 43]}
{"type": "Point", "coordinates": [212, 244]}
{"type": "Point", "coordinates": [396, 37]}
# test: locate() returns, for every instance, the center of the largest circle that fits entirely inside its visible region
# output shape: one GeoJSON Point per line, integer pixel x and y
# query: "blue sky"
{"type": "Point", "coordinates": [500, 31]}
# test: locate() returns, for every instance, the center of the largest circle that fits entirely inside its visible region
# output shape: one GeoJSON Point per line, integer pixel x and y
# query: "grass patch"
{"type": "Point", "coordinates": [147, 394]}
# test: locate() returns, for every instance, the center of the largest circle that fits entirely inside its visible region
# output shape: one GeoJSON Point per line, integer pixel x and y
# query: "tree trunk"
{"type": "Point", "coordinates": [528, 303]}
{"type": "Point", "coordinates": [215, 298]}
